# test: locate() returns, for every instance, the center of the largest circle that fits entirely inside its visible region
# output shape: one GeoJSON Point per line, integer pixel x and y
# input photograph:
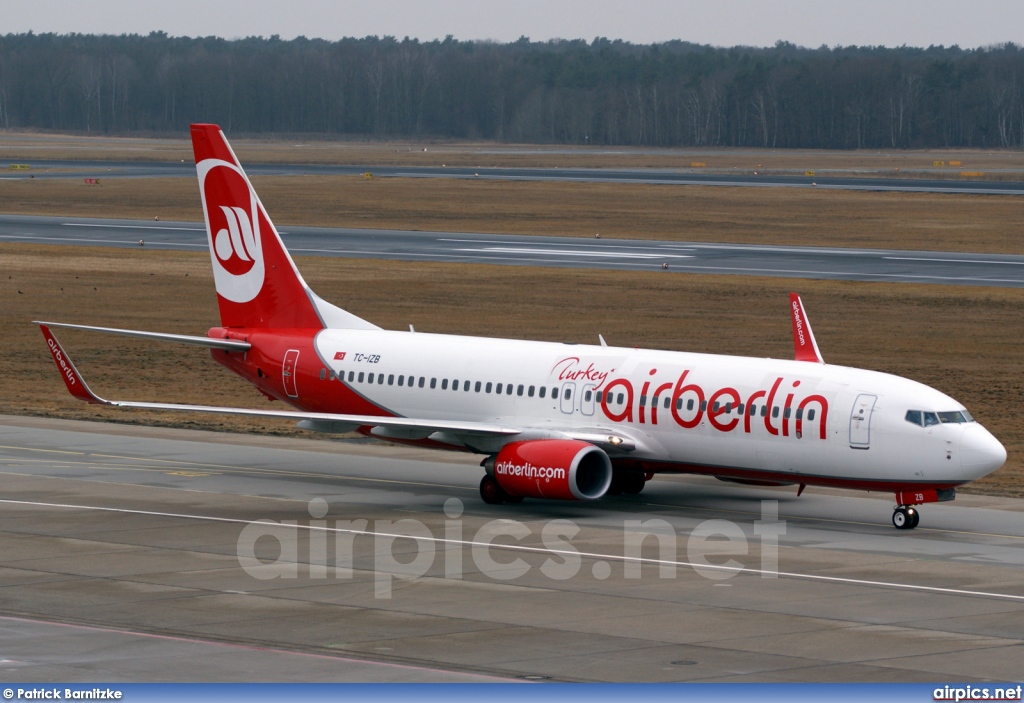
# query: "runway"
{"type": "Point", "coordinates": [52, 169]}
{"type": "Point", "coordinates": [1000, 270]}
{"type": "Point", "coordinates": [149, 534]}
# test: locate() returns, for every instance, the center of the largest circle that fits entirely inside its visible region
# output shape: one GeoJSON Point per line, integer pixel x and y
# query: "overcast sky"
{"type": "Point", "coordinates": [811, 23]}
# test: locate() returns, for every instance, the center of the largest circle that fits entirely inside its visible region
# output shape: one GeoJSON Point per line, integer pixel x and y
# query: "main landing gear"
{"type": "Point", "coordinates": [493, 494]}
{"type": "Point", "coordinates": [628, 482]}
{"type": "Point", "coordinates": [905, 517]}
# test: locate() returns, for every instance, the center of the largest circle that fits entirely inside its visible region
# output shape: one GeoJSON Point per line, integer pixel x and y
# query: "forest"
{"type": "Point", "coordinates": [601, 92]}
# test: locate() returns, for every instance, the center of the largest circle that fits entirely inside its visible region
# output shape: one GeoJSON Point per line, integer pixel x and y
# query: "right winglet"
{"type": "Point", "coordinates": [804, 345]}
{"type": "Point", "coordinates": [72, 378]}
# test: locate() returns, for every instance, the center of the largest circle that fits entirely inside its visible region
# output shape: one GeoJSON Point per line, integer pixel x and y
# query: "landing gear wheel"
{"type": "Point", "coordinates": [633, 482]}
{"type": "Point", "coordinates": [904, 518]}
{"type": "Point", "coordinates": [915, 517]}
{"type": "Point", "coordinates": [491, 492]}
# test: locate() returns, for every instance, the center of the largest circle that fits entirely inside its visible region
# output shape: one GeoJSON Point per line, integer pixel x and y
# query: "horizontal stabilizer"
{"type": "Point", "coordinates": [225, 344]}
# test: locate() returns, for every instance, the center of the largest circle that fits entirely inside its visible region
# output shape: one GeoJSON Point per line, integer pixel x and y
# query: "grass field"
{"type": "Point", "coordinates": [995, 164]}
{"type": "Point", "coordinates": [787, 216]}
{"type": "Point", "coordinates": [964, 341]}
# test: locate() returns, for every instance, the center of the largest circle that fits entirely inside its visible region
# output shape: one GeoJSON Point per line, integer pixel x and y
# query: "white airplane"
{"type": "Point", "coordinates": [558, 421]}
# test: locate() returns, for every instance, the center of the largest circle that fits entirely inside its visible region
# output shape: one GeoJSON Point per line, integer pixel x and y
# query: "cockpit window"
{"type": "Point", "coordinates": [927, 419]}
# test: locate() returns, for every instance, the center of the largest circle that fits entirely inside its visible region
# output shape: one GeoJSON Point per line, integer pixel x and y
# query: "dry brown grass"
{"type": "Point", "coordinates": [996, 164]}
{"type": "Point", "coordinates": [924, 221]}
{"type": "Point", "coordinates": [964, 341]}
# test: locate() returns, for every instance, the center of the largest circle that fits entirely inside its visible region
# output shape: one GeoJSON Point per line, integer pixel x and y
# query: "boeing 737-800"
{"type": "Point", "coordinates": [553, 420]}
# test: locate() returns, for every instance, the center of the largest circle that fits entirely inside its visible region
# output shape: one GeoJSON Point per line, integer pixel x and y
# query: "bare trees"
{"type": "Point", "coordinates": [602, 92]}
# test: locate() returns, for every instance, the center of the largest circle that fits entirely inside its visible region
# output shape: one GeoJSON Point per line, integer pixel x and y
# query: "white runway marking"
{"type": "Point", "coordinates": [544, 550]}
{"type": "Point", "coordinates": [89, 224]}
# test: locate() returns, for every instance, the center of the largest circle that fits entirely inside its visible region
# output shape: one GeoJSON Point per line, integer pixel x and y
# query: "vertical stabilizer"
{"type": "Point", "coordinates": [257, 282]}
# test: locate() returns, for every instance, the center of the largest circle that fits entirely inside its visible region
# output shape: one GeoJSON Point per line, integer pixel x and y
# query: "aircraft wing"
{"type": "Point", "coordinates": [331, 421]}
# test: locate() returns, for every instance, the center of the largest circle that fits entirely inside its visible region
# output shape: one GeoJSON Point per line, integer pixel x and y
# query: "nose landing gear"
{"type": "Point", "coordinates": [905, 517]}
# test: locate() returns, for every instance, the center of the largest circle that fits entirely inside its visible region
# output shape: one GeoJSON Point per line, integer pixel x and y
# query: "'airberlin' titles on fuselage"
{"type": "Point", "coordinates": [528, 470]}
{"type": "Point", "coordinates": [725, 409]}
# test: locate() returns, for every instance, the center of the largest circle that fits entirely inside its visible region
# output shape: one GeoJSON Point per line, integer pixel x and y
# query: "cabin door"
{"type": "Point", "coordinates": [860, 421]}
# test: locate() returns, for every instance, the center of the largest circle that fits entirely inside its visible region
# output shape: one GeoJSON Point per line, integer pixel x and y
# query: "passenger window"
{"type": "Point", "coordinates": [455, 385]}
{"type": "Point", "coordinates": [786, 414]}
{"type": "Point", "coordinates": [369, 378]}
{"type": "Point", "coordinates": [914, 417]}
{"type": "Point", "coordinates": [643, 400]}
{"type": "Point", "coordinates": [323, 374]}
{"type": "Point", "coordinates": [930, 419]}
{"type": "Point", "coordinates": [497, 389]}
{"type": "Point", "coordinates": [380, 379]}
{"type": "Point", "coordinates": [444, 384]}
{"type": "Point", "coordinates": [668, 402]}
{"type": "Point", "coordinates": [351, 376]}
{"type": "Point", "coordinates": [529, 391]}
{"type": "Point", "coordinates": [361, 376]}
{"type": "Point", "coordinates": [508, 389]}
{"type": "Point", "coordinates": [690, 403]}
{"type": "Point", "coordinates": [478, 386]}
{"type": "Point", "coordinates": [543, 391]}
{"type": "Point", "coordinates": [519, 390]}
{"type": "Point", "coordinates": [764, 410]}
{"type": "Point", "coordinates": [489, 387]}
{"type": "Point", "coordinates": [728, 407]}
{"type": "Point", "coordinates": [714, 408]}
{"type": "Point", "coordinates": [597, 396]}
{"type": "Point", "coordinates": [622, 398]}
{"type": "Point", "coordinates": [810, 414]}
{"type": "Point", "coordinates": [422, 379]}
{"type": "Point", "coordinates": [554, 392]}
{"type": "Point", "coordinates": [586, 396]}
{"type": "Point", "coordinates": [703, 405]}
{"type": "Point", "coordinates": [799, 414]}
{"type": "Point", "coordinates": [775, 411]}
{"type": "Point", "coordinates": [401, 380]}
{"type": "Point", "coordinates": [433, 383]}
{"type": "Point", "coordinates": [391, 379]}
{"type": "Point", "coordinates": [465, 386]}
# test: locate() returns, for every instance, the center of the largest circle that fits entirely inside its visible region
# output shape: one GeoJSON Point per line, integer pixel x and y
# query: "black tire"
{"type": "Point", "coordinates": [915, 517]}
{"type": "Point", "coordinates": [633, 482]}
{"type": "Point", "coordinates": [491, 492]}
{"type": "Point", "coordinates": [901, 518]}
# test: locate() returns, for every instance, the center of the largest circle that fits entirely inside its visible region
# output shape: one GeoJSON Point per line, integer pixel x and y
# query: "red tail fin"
{"type": "Point", "coordinates": [257, 282]}
{"type": "Point", "coordinates": [804, 344]}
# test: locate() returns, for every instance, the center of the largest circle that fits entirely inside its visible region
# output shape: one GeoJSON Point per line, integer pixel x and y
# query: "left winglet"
{"type": "Point", "coordinates": [804, 344]}
{"type": "Point", "coordinates": [72, 378]}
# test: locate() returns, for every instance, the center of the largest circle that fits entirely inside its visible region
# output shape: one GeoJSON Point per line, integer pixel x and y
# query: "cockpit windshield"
{"type": "Point", "coordinates": [925, 418]}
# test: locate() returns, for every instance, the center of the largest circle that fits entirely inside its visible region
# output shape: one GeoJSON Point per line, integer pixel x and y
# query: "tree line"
{"type": "Point", "coordinates": [603, 92]}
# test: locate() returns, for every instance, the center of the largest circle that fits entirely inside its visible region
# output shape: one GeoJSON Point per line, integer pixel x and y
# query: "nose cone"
{"type": "Point", "coordinates": [980, 452]}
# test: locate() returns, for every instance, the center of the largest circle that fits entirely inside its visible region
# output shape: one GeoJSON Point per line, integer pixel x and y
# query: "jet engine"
{"type": "Point", "coordinates": [562, 469]}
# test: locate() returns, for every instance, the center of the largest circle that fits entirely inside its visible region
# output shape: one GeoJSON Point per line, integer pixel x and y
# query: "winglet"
{"type": "Point", "coordinates": [804, 345]}
{"type": "Point", "coordinates": [72, 378]}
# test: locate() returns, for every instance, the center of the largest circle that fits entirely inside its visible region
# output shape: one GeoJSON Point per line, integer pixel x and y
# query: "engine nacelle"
{"type": "Point", "coordinates": [563, 469]}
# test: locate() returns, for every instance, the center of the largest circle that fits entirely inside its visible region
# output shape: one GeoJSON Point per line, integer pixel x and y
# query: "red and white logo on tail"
{"type": "Point", "coordinates": [234, 230]}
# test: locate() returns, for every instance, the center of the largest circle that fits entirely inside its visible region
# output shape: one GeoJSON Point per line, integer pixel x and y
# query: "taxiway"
{"type": "Point", "coordinates": [1000, 270]}
{"type": "Point", "coordinates": [123, 546]}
